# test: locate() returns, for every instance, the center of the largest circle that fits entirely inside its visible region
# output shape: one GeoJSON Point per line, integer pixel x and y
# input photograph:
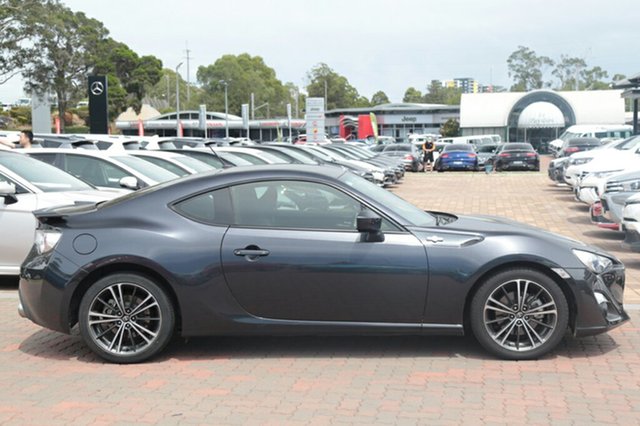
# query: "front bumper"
{"type": "Point", "coordinates": [600, 303]}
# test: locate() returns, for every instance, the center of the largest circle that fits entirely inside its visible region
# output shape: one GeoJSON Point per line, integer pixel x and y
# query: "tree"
{"type": "Point", "coordinates": [131, 74]}
{"type": "Point", "coordinates": [244, 74]}
{"type": "Point", "coordinates": [527, 69]}
{"type": "Point", "coordinates": [450, 129]}
{"type": "Point", "coordinates": [412, 95]}
{"type": "Point", "coordinates": [340, 94]}
{"type": "Point", "coordinates": [379, 98]}
{"type": "Point", "coordinates": [439, 94]}
{"type": "Point", "coordinates": [569, 72]}
{"type": "Point", "coordinates": [64, 41]}
{"type": "Point", "coordinates": [593, 79]}
{"type": "Point", "coordinates": [15, 30]}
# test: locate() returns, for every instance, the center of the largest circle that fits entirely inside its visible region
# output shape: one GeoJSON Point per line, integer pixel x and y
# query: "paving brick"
{"type": "Point", "coordinates": [50, 378]}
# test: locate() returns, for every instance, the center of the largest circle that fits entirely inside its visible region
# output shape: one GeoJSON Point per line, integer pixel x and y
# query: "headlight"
{"type": "Point", "coordinates": [579, 161]}
{"type": "Point", "coordinates": [595, 263]}
{"type": "Point", "coordinates": [46, 240]}
{"type": "Point", "coordinates": [631, 185]}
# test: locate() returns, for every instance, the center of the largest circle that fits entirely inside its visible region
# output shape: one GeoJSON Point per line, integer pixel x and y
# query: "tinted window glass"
{"type": "Point", "coordinates": [94, 170]}
{"type": "Point", "coordinates": [168, 165]}
{"type": "Point", "coordinates": [295, 204]}
{"type": "Point", "coordinates": [44, 176]}
{"type": "Point", "coordinates": [211, 207]}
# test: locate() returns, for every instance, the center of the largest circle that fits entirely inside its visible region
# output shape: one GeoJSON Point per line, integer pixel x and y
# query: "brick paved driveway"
{"type": "Point", "coordinates": [50, 378]}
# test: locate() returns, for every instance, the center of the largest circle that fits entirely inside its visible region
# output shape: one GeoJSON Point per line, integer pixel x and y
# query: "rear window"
{"type": "Point", "coordinates": [458, 147]}
{"type": "Point", "coordinates": [517, 147]}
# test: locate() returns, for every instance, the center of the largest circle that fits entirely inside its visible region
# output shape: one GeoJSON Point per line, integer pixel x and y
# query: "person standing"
{"type": "Point", "coordinates": [26, 138]}
{"type": "Point", "coordinates": [427, 154]}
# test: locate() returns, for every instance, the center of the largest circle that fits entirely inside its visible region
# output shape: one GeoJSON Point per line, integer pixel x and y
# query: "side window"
{"type": "Point", "coordinates": [601, 135]}
{"type": "Point", "coordinates": [211, 207]}
{"type": "Point", "coordinates": [19, 188]}
{"type": "Point", "coordinates": [296, 204]}
{"type": "Point", "coordinates": [49, 158]}
{"type": "Point", "coordinates": [95, 171]}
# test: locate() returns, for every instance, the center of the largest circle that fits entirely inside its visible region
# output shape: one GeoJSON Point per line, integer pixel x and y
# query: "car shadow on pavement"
{"type": "Point", "coordinates": [56, 346]}
{"type": "Point", "coordinates": [605, 234]}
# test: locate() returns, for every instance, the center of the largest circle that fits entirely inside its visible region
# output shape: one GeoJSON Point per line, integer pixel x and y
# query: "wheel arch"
{"type": "Point", "coordinates": [562, 284]}
{"type": "Point", "coordinates": [122, 268]}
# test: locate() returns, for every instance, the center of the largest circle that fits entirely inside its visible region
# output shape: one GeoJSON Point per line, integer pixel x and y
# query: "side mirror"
{"type": "Point", "coordinates": [129, 182]}
{"type": "Point", "coordinates": [8, 192]}
{"type": "Point", "coordinates": [369, 226]}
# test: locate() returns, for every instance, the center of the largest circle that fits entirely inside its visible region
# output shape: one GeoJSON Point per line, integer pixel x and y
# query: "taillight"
{"type": "Point", "coordinates": [504, 154]}
{"type": "Point", "coordinates": [408, 157]}
{"type": "Point", "coordinates": [46, 239]}
{"type": "Point", "coordinates": [445, 156]}
{"type": "Point", "coordinates": [531, 154]}
{"type": "Point", "coordinates": [572, 149]}
{"type": "Point", "coordinates": [472, 155]}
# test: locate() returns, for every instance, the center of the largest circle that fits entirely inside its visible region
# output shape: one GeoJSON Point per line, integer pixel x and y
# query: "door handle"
{"type": "Point", "coordinates": [251, 252]}
{"type": "Point", "coordinates": [434, 239]}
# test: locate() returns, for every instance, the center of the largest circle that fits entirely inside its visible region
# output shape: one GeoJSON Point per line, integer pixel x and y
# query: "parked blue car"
{"type": "Point", "coordinates": [457, 156]}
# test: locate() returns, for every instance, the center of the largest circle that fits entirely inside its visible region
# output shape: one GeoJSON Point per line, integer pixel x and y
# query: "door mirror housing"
{"type": "Point", "coordinates": [369, 225]}
{"type": "Point", "coordinates": [8, 193]}
{"type": "Point", "coordinates": [129, 182]}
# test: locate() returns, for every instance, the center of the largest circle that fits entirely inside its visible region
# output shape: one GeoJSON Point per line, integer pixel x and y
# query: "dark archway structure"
{"type": "Point", "coordinates": [539, 96]}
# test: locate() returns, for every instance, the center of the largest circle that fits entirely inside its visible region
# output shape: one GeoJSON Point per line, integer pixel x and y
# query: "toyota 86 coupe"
{"type": "Point", "coordinates": [306, 250]}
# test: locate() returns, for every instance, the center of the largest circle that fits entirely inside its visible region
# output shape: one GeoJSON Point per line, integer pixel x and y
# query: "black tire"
{"type": "Point", "coordinates": [137, 319]}
{"type": "Point", "coordinates": [519, 328]}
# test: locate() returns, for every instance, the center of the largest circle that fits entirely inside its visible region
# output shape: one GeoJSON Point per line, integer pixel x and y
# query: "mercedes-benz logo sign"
{"type": "Point", "coordinates": [97, 88]}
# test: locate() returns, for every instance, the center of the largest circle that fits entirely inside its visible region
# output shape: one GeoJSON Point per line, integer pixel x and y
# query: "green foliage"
{"type": "Point", "coordinates": [65, 42]}
{"type": "Point", "coordinates": [22, 115]}
{"type": "Point", "coordinates": [379, 98]}
{"type": "Point", "coordinates": [15, 33]}
{"type": "Point", "coordinates": [527, 69]}
{"type": "Point", "coordinates": [244, 74]}
{"type": "Point", "coordinates": [450, 129]}
{"type": "Point", "coordinates": [130, 77]}
{"type": "Point", "coordinates": [412, 95]}
{"type": "Point", "coordinates": [340, 94]}
{"type": "Point", "coordinates": [437, 94]}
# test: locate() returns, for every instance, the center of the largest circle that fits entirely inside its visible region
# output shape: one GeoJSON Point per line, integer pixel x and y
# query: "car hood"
{"type": "Point", "coordinates": [485, 226]}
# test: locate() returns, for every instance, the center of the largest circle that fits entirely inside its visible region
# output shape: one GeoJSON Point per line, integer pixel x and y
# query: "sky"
{"type": "Point", "coordinates": [386, 45]}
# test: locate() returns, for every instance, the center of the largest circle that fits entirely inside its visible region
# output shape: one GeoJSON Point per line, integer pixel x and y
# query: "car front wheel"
{"type": "Point", "coordinates": [519, 314]}
{"type": "Point", "coordinates": [126, 318]}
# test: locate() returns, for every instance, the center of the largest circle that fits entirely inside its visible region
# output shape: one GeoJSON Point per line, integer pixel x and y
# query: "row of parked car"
{"type": "Point", "coordinates": [86, 170]}
{"type": "Point", "coordinates": [607, 178]}
{"type": "Point", "coordinates": [466, 156]}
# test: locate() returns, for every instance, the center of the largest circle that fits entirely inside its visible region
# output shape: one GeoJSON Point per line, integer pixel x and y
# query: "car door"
{"type": "Point", "coordinates": [17, 227]}
{"type": "Point", "coordinates": [294, 253]}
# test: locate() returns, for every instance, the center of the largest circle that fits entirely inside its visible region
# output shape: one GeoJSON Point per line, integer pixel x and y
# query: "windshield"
{"type": "Point", "coordinates": [146, 168]}
{"type": "Point", "coordinates": [411, 215]}
{"type": "Point", "coordinates": [197, 165]}
{"type": "Point", "coordinates": [486, 148]}
{"type": "Point", "coordinates": [45, 177]}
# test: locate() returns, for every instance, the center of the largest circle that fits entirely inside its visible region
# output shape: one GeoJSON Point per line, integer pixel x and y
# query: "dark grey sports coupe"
{"type": "Point", "coordinates": [306, 250]}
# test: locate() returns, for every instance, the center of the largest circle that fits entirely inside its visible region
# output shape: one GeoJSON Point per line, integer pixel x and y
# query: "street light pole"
{"type": "Point", "coordinates": [226, 109]}
{"type": "Point", "coordinates": [178, 100]}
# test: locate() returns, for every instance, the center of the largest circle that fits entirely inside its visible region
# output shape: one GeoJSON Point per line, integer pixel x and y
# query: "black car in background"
{"type": "Point", "coordinates": [516, 156]}
{"type": "Point", "coordinates": [303, 249]}
{"type": "Point", "coordinates": [571, 146]}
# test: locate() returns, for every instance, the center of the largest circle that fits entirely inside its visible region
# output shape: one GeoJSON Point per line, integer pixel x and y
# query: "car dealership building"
{"type": "Point", "coordinates": [538, 116]}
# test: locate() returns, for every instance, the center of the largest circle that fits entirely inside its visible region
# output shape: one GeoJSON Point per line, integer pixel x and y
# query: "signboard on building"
{"type": "Point", "coordinates": [315, 120]}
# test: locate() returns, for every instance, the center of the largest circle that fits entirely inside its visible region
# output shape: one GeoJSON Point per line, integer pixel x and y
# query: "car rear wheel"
{"type": "Point", "coordinates": [519, 314]}
{"type": "Point", "coordinates": [126, 318]}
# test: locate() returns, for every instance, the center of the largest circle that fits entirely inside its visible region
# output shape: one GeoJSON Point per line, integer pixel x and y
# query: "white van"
{"type": "Point", "coordinates": [599, 131]}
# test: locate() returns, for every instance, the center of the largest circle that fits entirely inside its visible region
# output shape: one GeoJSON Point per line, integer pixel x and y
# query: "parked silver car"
{"type": "Point", "coordinates": [27, 184]}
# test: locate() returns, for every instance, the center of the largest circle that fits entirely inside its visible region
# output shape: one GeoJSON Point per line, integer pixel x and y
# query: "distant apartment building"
{"type": "Point", "coordinates": [468, 85]}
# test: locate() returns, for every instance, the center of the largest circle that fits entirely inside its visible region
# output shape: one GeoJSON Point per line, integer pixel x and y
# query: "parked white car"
{"type": "Point", "coordinates": [582, 163]}
{"type": "Point", "coordinates": [631, 222]}
{"type": "Point", "coordinates": [104, 169]}
{"type": "Point", "coordinates": [27, 184]}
